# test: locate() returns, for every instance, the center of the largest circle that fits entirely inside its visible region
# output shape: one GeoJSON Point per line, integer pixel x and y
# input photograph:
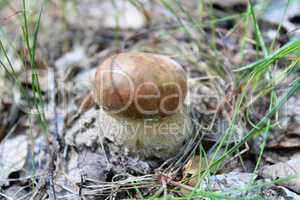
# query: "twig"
{"type": "Point", "coordinates": [54, 148]}
{"type": "Point", "coordinates": [80, 186]}
{"type": "Point", "coordinates": [51, 170]}
{"type": "Point", "coordinates": [5, 196]}
{"type": "Point", "coordinates": [164, 185]}
{"type": "Point", "coordinates": [55, 131]}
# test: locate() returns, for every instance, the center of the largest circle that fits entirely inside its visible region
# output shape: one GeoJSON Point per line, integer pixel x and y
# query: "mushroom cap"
{"type": "Point", "coordinates": [140, 84]}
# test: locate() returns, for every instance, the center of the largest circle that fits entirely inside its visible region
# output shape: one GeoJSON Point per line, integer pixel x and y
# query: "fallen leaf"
{"type": "Point", "coordinates": [288, 193]}
{"type": "Point", "coordinates": [284, 170]}
{"type": "Point", "coordinates": [93, 164]}
{"type": "Point", "coordinates": [228, 182]}
{"type": "Point", "coordinates": [13, 153]}
{"type": "Point", "coordinates": [235, 182]}
{"type": "Point", "coordinates": [70, 61]}
{"type": "Point", "coordinates": [194, 166]}
{"type": "Point", "coordinates": [291, 110]}
{"type": "Point", "coordinates": [283, 139]}
{"type": "Point", "coordinates": [287, 135]}
{"type": "Point", "coordinates": [225, 182]}
{"type": "Point", "coordinates": [87, 103]}
{"type": "Point", "coordinates": [73, 169]}
{"type": "Point", "coordinates": [122, 15]}
{"type": "Point", "coordinates": [83, 132]}
{"type": "Point", "coordinates": [117, 14]}
{"type": "Point", "coordinates": [273, 156]}
{"type": "Point", "coordinates": [280, 12]}
{"type": "Point", "coordinates": [16, 192]}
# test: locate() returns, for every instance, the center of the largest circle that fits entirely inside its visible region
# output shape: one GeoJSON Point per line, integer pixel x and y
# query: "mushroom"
{"type": "Point", "coordinates": [141, 97]}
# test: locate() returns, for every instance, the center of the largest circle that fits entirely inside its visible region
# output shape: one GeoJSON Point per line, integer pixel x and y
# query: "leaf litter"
{"type": "Point", "coordinates": [93, 168]}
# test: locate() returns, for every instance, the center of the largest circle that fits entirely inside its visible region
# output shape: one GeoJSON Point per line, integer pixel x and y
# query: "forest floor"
{"type": "Point", "coordinates": [242, 63]}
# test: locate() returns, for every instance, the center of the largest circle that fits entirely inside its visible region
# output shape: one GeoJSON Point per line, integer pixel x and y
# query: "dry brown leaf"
{"type": "Point", "coordinates": [194, 166]}
{"type": "Point", "coordinates": [87, 103]}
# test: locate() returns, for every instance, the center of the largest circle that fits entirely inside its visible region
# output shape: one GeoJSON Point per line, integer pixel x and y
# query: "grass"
{"type": "Point", "coordinates": [260, 42]}
{"type": "Point", "coordinates": [250, 76]}
{"type": "Point", "coordinates": [31, 46]}
{"type": "Point", "coordinates": [38, 101]}
{"type": "Point", "coordinates": [30, 43]}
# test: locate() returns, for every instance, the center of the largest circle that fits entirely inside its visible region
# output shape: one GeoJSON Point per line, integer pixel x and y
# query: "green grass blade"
{"type": "Point", "coordinates": [293, 88]}
{"type": "Point", "coordinates": [259, 38]}
{"type": "Point", "coordinates": [280, 53]}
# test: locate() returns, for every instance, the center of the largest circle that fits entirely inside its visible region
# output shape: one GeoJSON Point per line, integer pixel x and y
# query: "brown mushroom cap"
{"type": "Point", "coordinates": [140, 85]}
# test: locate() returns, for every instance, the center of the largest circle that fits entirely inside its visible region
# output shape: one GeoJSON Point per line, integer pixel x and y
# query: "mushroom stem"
{"type": "Point", "coordinates": [158, 138]}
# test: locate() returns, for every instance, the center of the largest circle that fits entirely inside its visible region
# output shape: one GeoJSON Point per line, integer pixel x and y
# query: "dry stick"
{"type": "Point", "coordinates": [164, 184]}
{"type": "Point", "coordinates": [11, 131]}
{"type": "Point", "coordinates": [80, 186]}
{"type": "Point", "coordinates": [40, 190]}
{"type": "Point", "coordinates": [25, 196]}
{"type": "Point", "coordinates": [55, 149]}
{"type": "Point", "coordinates": [51, 170]}
{"type": "Point", "coordinates": [53, 95]}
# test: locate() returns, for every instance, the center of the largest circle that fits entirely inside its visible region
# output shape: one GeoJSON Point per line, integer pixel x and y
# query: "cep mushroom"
{"type": "Point", "coordinates": [141, 97]}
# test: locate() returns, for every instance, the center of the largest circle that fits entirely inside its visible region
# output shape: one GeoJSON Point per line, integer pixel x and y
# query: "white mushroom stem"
{"type": "Point", "coordinates": [148, 138]}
